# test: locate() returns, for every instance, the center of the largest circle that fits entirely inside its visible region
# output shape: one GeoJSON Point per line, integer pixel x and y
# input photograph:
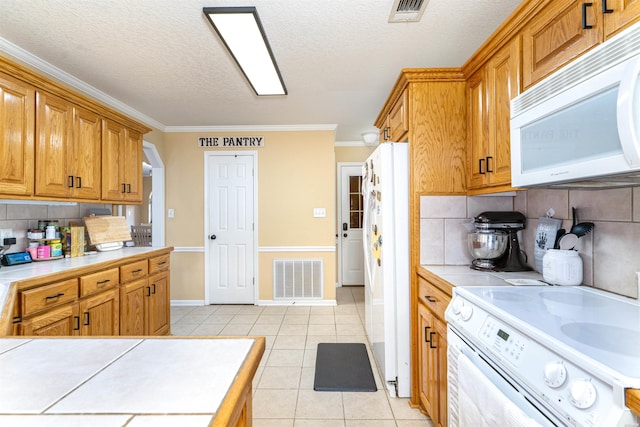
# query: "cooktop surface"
{"type": "Point", "coordinates": [576, 320]}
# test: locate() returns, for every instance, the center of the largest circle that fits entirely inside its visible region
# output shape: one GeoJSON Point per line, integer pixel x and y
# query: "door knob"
{"type": "Point", "coordinates": [344, 235]}
{"type": "Point", "coordinates": [213, 237]}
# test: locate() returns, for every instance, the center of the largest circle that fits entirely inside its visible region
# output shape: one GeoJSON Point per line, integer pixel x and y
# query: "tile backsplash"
{"type": "Point", "coordinates": [610, 252]}
{"type": "Point", "coordinates": [21, 217]}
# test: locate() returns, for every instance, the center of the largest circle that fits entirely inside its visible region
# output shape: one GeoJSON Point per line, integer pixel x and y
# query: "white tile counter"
{"type": "Point", "coordinates": [118, 381]}
{"type": "Point", "coordinates": [462, 275]}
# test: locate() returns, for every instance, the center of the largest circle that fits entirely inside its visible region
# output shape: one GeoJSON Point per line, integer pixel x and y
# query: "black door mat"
{"type": "Point", "coordinates": [343, 367]}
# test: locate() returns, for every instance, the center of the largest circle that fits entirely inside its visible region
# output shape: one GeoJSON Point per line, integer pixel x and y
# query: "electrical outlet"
{"type": "Point", "coordinates": [5, 233]}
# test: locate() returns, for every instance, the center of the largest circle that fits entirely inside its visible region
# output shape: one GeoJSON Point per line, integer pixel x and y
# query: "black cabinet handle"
{"type": "Point", "coordinates": [86, 318]}
{"type": "Point", "coordinates": [426, 329]}
{"type": "Point", "coordinates": [153, 286]}
{"type": "Point", "coordinates": [77, 319]}
{"type": "Point", "coordinates": [148, 291]}
{"type": "Point", "coordinates": [480, 162]}
{"type": "Point", "coordinates": [585, 26]}
{"type": "Point", "coordinates": [431, 343]}
{"type": "Point", "coordinates": [136, 271]}
{"type": "Point", "coordinates": [124, 188]}
{"type": "Point", "coordinates": [162, 263]}
{"type": "Point", "coordinates": [386, 134]}
{"type": "Point", "coordinates": [605, 9]}
{"type": "Point", "coordinates": [102, 282]}
{"type": "Point", "coordinates": [79, 179]}
{"type": "Point", "coordinates": [489, 170]}
{"type": "Point", "coordinates": [429, 298]}
{"type": "Point", "coordinates": [54, 296]}
{"type": "Point", "coordinates": [128, 188]}
{"type": "Point", "coordinates": [70, 181]}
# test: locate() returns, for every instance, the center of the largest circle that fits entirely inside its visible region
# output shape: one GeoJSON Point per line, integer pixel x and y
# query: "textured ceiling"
{"type": "Point", "coordinates": [162, 61]}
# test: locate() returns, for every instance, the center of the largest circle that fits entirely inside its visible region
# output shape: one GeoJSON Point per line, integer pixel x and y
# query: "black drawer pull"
{"type": "Point", "coordinates": [429, 298]}
{"type": "Point", "coordinates": [86, 318]}
{"type": "Point", "coordinates": [79, 179]}
{"type": "Point", "coordinates": [102, 282]}
{"type": "Point", "coordinates": [162, 263]}
{"type": "Point", "coordinates": [77, 319]}
{"type": "Point", "coordinates": [431, 343]}
{"type": "Point", "coordinates": [136, 271]}
{"type": "Point", "coordinates": [426, 329]}
{"type": "Point", "coordinates": [585, 26]}
{"type": "Point", "coordinates": [480, 162]}
{"type": "Point", "coordinates": [154, 288]}
{"type": "Point", "coordinates": [124, 187]}
{"type": "Point", "coordinates": [70, 181]}
{"type": "Point", "coordinates": [489, 167]}
{"type": "Point", "coordinates": [148, 291]}
{"type": "Point", "coordinates": [54, 296]}
{"type": "Point", "coordinates": [605, 9]}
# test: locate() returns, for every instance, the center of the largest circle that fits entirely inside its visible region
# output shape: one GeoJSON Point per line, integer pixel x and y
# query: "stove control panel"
{"type": "Point", "coordinates": [555, 374]}
{"type": "Point", "coordinates": [506, 342]}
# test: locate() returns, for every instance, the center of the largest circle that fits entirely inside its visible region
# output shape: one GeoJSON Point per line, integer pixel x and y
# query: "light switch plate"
{"type": "Point", "coordinates": [319, 212]}
{"type": "Point", "coordinates": [170, 213]}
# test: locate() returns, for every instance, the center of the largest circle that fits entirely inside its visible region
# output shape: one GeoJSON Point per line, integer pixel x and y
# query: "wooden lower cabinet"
{"type": "Point", "coordinates": [131, 299]}
{"type": "Point", "coordinates": [60, 321]}
{"type": "Point", "coordinates": [133, 310]}
{"type": "Point", "coordinates": [100, 314]}
{"type": "Point", "coordinates": [432, 352]}
{"type": "Point", "coordinates": [158, 308]}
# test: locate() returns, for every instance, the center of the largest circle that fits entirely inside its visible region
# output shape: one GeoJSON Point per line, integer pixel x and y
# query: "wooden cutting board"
{"type": "Point", "coordinates": [107, 229]}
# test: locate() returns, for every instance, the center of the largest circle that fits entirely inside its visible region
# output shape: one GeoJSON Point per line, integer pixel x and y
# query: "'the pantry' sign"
{"type": "Point", "coordinates": [230, 141]}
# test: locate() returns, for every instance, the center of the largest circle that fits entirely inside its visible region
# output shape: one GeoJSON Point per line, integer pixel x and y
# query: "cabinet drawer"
{"type": "Point", "coordinates": [432, 297]}
{"type": "Point", "coordinates": [41, 298]}
{"type": "Point", "coordinates": [133, 271]}
{"type": "Point", "coordinates": [97, 282]}
{"type": "Point", "coordinates": [158, 263]}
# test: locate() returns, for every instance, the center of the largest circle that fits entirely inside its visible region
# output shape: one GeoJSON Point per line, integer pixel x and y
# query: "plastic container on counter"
{"type": "Point", "coordinates": [44, 251]}
{"type": "Point", "coordinates": [56, 248]}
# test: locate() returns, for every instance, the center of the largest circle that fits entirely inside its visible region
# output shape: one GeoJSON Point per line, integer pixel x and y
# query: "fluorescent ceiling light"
{"type": "Point", "coordinates": [242, 33]}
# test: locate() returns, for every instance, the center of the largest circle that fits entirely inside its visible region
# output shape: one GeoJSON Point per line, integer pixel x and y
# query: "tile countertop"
{"type": "Point", "coordinates": [462, 275]}
{"type": "Point", "coordinates": [117, 381]}
{"type": "Point", "coordinates": [11, 274]}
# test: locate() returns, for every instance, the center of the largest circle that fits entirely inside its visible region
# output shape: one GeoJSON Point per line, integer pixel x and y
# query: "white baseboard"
{"type": "Point", "coordinates": [186, 302]}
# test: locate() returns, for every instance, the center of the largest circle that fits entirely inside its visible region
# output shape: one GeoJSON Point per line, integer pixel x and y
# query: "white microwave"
{"type": "Point", "coordinates": [580, 127]}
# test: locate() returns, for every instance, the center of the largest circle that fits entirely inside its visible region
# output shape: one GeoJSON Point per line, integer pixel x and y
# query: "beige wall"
{"type": "Point", "coordinates": [353, 154]}
{"type": "Point", "coordinates": [296, 173]}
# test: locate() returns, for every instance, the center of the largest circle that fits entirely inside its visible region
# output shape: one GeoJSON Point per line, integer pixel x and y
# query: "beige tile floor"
{"type": "Point", "coordinates": [283, 385]}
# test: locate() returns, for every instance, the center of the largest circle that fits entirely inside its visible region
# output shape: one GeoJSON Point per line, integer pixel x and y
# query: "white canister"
{"type": "Point", "coordinates": [562, 267]}
{"type": "Point", "coordinates": [50, 232]}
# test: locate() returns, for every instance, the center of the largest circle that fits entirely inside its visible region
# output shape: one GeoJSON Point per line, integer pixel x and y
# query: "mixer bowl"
{"type": "Point", "coordinates": [487, 244]}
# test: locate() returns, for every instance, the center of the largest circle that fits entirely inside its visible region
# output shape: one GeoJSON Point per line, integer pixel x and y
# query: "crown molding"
{"type": "Point", "coordinates": [251, 128]}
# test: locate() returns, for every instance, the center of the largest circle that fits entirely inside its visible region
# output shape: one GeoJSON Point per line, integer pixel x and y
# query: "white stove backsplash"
{"type": "Point", "coordinates": [610, 253]}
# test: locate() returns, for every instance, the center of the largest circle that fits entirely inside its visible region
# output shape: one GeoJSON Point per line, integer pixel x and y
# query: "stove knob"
{"type": "Point", "coordinates": [465, 312]}
{"type": "Point", "coordinates": [457, 306]}
{"type": "Point", "coordinates": [555, 374]}
{"type": "Point", "coordinates": [583, 393]}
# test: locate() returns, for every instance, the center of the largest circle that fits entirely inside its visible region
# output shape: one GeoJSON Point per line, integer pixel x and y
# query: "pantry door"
{"type": "Point", "coordinates": [230, 213]}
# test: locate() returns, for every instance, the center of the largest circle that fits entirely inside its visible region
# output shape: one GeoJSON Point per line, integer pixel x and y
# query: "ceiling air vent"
{"type": "Point", "coordinates": [407, 10]}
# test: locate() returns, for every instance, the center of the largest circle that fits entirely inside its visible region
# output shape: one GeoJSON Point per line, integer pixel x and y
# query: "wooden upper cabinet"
{"type": "Point", "coordinates": [565, 29]}
{"type": "Point", "coordinates": [17, 127]}
{"type": "Point", "coordinates": [489, 92]}
{"type": "Point", "coordinates": [396, 124]}
{"type": "Point", "coordinates": [620, 14]}
{"type": "Point", "coordinates": [121, 163]}
{"type": "Point", "coordinates": [68, 150]}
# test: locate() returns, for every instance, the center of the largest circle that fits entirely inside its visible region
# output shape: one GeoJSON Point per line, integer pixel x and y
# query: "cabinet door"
{"type": "Point", "coordinates": [132, 307]}
{"type": "Point", "coordinates": [113, 187]}
{"type": "Point", "coordinates": [439, 341]}
{"type": "Point", "coordinates": [158, 307]}
{"type": "Point", "coordinates": [17, 127]}
{"type": "Point", "coordinates": [132, 168]}
{"type": "Point", "coordinates": [556, 36]}
{"type": "Point", "coordinates": [54, 132]}
{"type": "Point", "coordinates": [426, 365]}
{"type": "Point", "coordinates": [478, 130]}
{"type": "Point", "coordinates": [503, 72]}
{"type": "Point", "coordinates": [398, 121]}
{"type": "Point", "coordinates": [84, 153]}
{"type": "Point", "coordinates": [100, 314]}
{"type": "Point", "coordinates": [624, 13]}
{"type": "Point", "coordinates": [61, 321]}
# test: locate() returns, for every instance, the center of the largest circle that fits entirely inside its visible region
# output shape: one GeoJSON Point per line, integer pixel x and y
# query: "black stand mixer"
{"type": "Point", "coordinates": [494, 244]}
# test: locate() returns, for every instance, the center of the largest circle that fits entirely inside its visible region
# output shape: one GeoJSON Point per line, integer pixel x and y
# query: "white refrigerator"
{"type": "Point", "coordinates": [385, 188]}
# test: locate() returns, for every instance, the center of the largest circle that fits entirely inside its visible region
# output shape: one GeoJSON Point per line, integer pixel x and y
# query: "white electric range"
{"type": "Point", "coordinates": [550, 355]}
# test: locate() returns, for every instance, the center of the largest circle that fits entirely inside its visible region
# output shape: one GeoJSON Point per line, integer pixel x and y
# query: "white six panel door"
{"type": "Point", "coordinates": [231, 229]}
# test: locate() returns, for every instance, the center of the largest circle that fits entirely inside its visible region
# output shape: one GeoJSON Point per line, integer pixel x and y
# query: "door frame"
{"type": "Point", "coordinates": [207, 232]}
{"type": "Point", "coordinates": [339, 169]}
{"type": "Point", "coordinates": [157, 186]}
